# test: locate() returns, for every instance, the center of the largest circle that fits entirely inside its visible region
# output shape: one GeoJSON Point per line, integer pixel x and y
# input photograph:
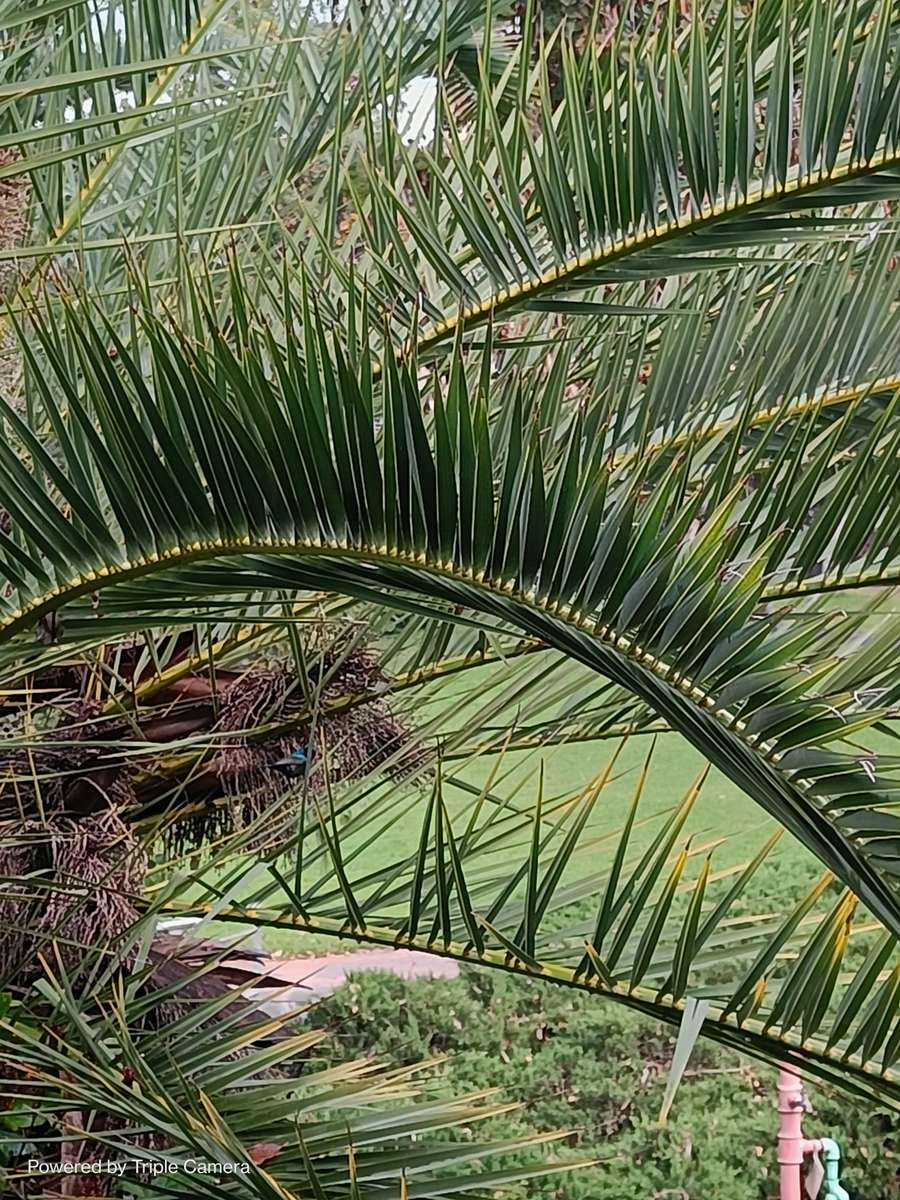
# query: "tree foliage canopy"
{"type": "Point", "coordinates": [578, 421]}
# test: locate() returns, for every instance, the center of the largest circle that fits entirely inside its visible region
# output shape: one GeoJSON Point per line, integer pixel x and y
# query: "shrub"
{"type": "Point", "coordinates": [600, 1071]}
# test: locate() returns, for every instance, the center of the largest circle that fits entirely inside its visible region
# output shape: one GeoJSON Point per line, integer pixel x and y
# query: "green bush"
{"type": "Point", "coordinates": [599, 1071]}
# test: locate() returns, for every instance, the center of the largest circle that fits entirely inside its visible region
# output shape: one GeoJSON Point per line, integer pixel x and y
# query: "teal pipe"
{"type": "Point", "coordinates": [831, 1152]}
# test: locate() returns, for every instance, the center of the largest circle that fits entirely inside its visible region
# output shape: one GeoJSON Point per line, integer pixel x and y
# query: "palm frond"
{"type": "Point", "coordinates": [638, 915]}
{"type": "Point", "coordinates": [586, 416]}
{"type": "Point", "coordinates": [649, 163]}
{"type": "Point", "coordinates": [199, 1073]}
{"type": "Point", "coordinates": [190, 127]}
{"type": "Point", "coordinates": [237, 477]}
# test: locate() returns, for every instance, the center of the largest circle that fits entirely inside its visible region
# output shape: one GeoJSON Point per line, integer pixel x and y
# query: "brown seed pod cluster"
{"type": "Point", "coordinates": [348, 730]}
{"type": "Point", "coordinates": [15, 194]}
{"type": "Point", "coordinates": [72, 890]}
{"type": "Point", "coordinates": [71, 863]}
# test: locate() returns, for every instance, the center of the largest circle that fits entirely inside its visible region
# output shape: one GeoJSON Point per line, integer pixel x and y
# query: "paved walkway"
{"type": "Point", "coordinates": [308, 979]}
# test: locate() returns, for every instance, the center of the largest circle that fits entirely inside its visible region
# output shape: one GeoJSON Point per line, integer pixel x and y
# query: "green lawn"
{"type": "Point", "coordinates": [721, 813]}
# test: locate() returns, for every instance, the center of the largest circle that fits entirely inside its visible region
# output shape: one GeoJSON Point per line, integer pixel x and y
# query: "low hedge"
{"type": "Point", "coordinates": [584, 1065]}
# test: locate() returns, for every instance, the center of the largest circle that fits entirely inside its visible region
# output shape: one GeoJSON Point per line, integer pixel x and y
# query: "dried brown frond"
{"type": "Point", "coordinates": [69, 886]}
{"type": "Point", "coordinates": [15, 194]}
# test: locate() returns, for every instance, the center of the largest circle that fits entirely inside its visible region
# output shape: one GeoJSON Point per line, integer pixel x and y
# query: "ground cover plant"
{"type": "Point", "coordinates": [601, 1073]}
{"type": "Point", "coordinates": [481, 542]}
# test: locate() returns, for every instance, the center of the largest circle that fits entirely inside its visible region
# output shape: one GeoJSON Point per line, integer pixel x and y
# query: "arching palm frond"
{"type": "Point", "coordinates": [598, 396]}
{"type": "Point", "coordinates": [247, 467]}
{"type": "Point", "coordinates": [657, 924]}
{"type": "Point", "coordinates": [647, 167]}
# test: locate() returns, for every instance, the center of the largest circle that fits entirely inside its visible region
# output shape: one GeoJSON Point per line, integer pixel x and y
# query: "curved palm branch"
{"type": "Point", "coordinates": [222, 1081]}
{"type": "Point", "coordinates": [745, 349]}
{"type": "Point", "coordinates": [660, 592]}
{"type": "Point", "coordinates": [665, 927]}
{"type": "Point", "coordinates": [677, 551]}
{"type": "Point", "coordinates": [644, 170]}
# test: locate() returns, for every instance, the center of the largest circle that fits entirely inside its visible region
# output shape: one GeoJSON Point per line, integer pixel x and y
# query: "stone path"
{"type": "Point", "coordinates": [309, 979]}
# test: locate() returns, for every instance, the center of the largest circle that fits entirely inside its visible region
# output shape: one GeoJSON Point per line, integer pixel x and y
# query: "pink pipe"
{"type": "Point", "coordinates": [791, 1103]}
{"type": "Point", "coordinates": [792, 1145]}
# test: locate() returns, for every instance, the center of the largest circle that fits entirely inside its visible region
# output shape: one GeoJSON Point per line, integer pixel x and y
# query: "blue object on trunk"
{"type": "Point", "coordinates": [294, 764]}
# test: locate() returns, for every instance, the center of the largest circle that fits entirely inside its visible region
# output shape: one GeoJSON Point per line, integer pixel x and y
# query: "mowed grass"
{"type": "Point", "coordinates": [722, 819]}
